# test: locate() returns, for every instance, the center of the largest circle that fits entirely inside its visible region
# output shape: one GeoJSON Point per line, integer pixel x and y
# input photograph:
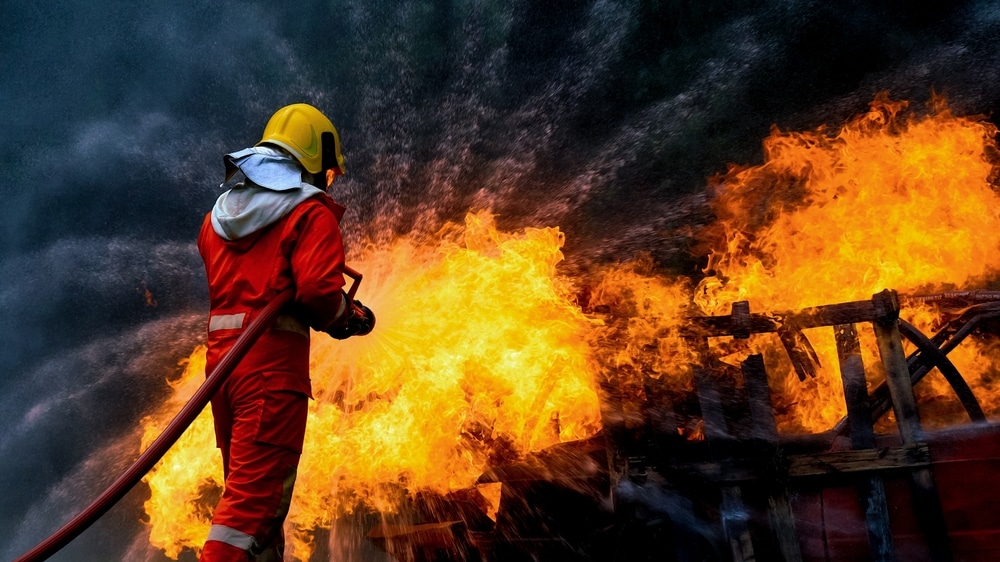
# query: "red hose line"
{"type": "Point", "coordinates": [170, 435]}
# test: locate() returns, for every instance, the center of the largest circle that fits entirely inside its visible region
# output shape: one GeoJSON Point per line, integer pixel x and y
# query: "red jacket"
{"type": "Point", "coordinates": [303, 250]}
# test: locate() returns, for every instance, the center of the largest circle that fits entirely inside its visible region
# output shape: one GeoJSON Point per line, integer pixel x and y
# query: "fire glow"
{"type": "Point", "coordinates": [478, 349]}
{"type": "Point", "coordinates": [483, 352]}
{"type": "Point", "coordinates": [889, 201]}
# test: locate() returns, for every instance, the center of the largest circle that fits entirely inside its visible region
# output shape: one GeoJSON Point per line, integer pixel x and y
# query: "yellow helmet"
{"type": "Point", "coordinates": [309, 135]}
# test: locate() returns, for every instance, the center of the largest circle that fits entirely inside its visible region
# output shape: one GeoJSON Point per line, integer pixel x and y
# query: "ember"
{"type": "Point", "coordinates": [484, 353]}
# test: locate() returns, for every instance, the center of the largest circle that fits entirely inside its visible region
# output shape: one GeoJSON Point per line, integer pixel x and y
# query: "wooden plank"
{"type": "Point", "coordinates": [826, 315]}
{"type": "Point", "coordinates": [709, 398]}
{"type": "Point", "coordinates": [858, 461]}
{"type": "Point", "coordinates": [799, 350]}
{"type": "Point", "coordinates": [764, 428]}
{"type": "Point", "coordinates": [836, 465]}
{"type": "Point", "coordinates": [897, 373]}
{"type": "Point", "coordinates": [872, 490]}
{"type": "Point", "coordinates": [741, 319]}
{"type": "Point", "coordinates": [904, 404]}
{"type": "Point", "coordinates": [733, 514]}
{"type": "Point", "coordinates": [814, 317]}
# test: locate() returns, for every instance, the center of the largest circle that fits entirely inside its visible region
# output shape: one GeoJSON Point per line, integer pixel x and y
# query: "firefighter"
{"type": "Point", "coordinates": [277, 229]}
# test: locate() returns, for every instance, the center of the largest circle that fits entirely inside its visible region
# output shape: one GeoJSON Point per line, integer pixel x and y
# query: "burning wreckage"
{"type": "Point", "coordinates": [636, 417]}
{"type": "Point", "coordinates": [844, 431]}
{"type": "Point", "coordinates": [743, 491]}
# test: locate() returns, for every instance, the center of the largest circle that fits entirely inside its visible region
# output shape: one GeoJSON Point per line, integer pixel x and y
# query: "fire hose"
{"type": "Point", "coordinates": [172, 433]}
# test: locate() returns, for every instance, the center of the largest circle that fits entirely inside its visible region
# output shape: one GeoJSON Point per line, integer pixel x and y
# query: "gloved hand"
{"type": "Point", "coordinates": [360, 322]}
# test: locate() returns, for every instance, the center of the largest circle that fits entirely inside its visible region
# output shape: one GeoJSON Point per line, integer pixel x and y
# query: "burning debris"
{"type": "Point", "coordinates": [489, 367]}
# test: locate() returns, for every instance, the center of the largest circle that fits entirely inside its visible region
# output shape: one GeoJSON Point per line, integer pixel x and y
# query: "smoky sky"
{"type": "Point", "coordinates": [605, 118]}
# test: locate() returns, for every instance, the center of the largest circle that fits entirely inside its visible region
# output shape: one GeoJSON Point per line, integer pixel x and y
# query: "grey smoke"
{"type": "Point", "coordinates": [603, 117]}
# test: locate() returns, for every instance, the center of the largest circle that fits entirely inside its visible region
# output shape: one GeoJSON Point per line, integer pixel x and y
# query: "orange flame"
{"type": "Point", "coordinates": [180, 502]}
{"type": "Point", "coordinates": [478, 347]}
{"type": "Point", "coordinates": [889, 201]}
{"type": "Point", "coordinates": [480, 344]}
{"type": "Point", "coordinates": [885, 202]}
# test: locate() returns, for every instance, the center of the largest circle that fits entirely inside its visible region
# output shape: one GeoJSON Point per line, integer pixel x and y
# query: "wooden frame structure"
{"type": "Point", "coordinates": [751, 457]}
{"type": "Point", "coordinates": [745, 492]}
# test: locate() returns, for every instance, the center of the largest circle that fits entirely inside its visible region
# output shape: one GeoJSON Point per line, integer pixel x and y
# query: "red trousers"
{"type": "Point", "coordinates": [260, 428]}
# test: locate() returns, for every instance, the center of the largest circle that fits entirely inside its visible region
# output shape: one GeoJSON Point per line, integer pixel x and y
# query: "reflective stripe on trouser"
{"type": "Point", "coordinates": [263, 509]}
{"type": "Point", "coordinates": [232, 537]}
{"type": "Point", "coordinates": [260, 432]}
{"type": "Point", "coordinates": [244, 546]}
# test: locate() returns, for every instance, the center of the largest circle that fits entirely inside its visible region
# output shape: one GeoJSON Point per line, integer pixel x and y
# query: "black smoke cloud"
{"type": "Point", "coordinates": [603, 117]}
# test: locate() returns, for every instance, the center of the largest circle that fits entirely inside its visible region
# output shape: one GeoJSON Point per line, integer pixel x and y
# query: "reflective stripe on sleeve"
{"type": "Point", "coordinates": [231, 536]}
{"type": "Point", "coordinates": [226, 321]}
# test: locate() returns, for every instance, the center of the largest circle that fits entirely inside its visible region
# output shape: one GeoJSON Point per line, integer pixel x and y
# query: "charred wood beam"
{"type": "Point", "coordinates": [764, 428]}
{"type": "Point", "coordinates": [804, 359]}
{"type": "Point", "coordinates": [859, 461]}
{"type": "Point", "coordinates": [930, 353]}
{"type": "Point", "coordinates": [897, 374]}
{"type": "Point", "coordinates": [928, 356]}
{"type": "Point", "coordinates": [832, 466]}
{"type": "Point", "coordinates": [826, 315]}
{"type": "Point", "coordinates": [741, 319]}
{"type": "Point", "coordinates": [904, 405]}
{"type": "Point", "coordinates": [872, 489]}
{"type": "Point", "coordinates": [732, 511]}
{"type": "Point", "coordinates": [710, 399]}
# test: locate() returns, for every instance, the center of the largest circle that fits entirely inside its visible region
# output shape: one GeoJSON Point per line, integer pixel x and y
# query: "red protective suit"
{"type": "Point", "coordinates": [260, 411]}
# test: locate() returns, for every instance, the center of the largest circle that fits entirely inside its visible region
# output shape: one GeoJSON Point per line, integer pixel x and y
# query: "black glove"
{"type": "Point", "coordinates": [360, 322]}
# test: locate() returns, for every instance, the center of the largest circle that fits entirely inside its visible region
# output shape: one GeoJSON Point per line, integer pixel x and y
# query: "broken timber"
{"type": "Point", "coordinates": [751, 460]}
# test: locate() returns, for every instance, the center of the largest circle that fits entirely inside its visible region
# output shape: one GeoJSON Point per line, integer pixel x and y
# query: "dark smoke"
{"type": "Point", "coordinates": [603, 117]}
